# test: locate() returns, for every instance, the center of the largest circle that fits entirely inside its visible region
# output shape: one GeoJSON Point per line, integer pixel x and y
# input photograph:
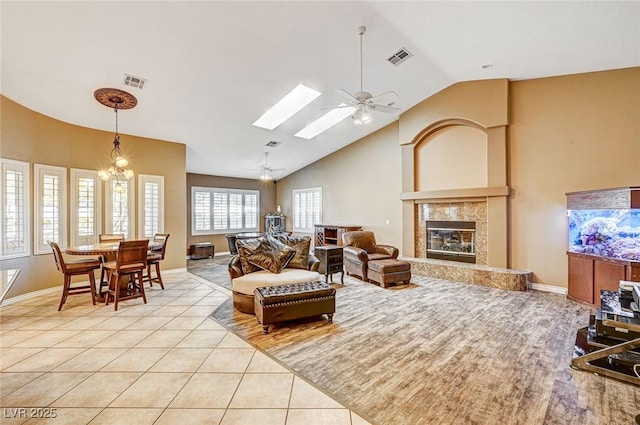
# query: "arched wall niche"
{"type": "Point", "coordinates": [451, 154]}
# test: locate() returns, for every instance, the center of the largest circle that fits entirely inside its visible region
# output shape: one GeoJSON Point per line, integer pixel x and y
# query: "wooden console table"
{"type": "Point", "coordinates": [328, 234]}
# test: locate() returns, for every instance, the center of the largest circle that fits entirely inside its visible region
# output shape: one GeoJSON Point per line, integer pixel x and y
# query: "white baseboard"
{"type": "Point", "coordinates": [549, 288]}
{"type": "Point", "coordinates": [58, 289]}
{"type": "Point", "coordinates": [29, 295]}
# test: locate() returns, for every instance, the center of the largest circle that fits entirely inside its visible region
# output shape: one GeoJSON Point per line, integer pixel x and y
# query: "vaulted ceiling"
{"type": "Point", "coordinates": [214, 67]}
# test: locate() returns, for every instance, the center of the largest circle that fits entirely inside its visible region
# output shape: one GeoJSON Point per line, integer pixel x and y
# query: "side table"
{"type": "Point", "coordinates": [330, 257]}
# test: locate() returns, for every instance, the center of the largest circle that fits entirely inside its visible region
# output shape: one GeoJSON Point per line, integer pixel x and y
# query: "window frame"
{"type": "Point", "coordinates": [131, 205]}
{"type": "Point", "coordinates": [143, 179]}
{"type": "Point", "coordinates": [76, 239]}
{"type": "Point", "coordinates": [214, 190]}
{"type": "Point", "coordinates": [294, 212]}
{"type": "Point", "coordinates": [25, 169]}
{"type": "Point", "coordinates": [39, 171]}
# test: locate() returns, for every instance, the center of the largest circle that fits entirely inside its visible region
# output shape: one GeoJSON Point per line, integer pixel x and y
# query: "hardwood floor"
{"type": "Point", "coordinates": [441, 352]}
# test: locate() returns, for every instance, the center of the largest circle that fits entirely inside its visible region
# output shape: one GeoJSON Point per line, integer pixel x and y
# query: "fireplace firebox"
{"type": "Point", "coordinates": [451, 240]}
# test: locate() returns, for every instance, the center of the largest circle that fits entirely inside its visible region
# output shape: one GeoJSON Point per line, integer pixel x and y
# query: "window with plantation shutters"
{"type": "Point", "coordinates": [50, 210]}
{"type": "Point", "coordinates": [119, 206]}
{"type": "Point", "coordinates": [85, 207]}
{"type": "Point", "coordinates": [215, 210]}
{"type": "Point", "coordinates": [251, 211]}
{"type": "Point", "coordinates": [307, 209]}
{"type": "Point", "coordinates": [151, 205]}
{"type": "Point", "coordinates": [202, 211]}
{"type": "Point", "coordinates": [14, 183]}
{"type": "Point", "coordinates": [220, 210]}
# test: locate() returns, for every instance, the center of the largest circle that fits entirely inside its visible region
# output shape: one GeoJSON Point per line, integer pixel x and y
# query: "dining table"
{"type": "Point", "coordinates": [108, 250]}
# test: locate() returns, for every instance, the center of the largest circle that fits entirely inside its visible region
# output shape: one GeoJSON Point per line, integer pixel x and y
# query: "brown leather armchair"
{"type": "Point", "coordinates": [359, 248]}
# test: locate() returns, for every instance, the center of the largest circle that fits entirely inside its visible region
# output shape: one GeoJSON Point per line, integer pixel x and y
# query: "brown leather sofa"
{"type": "Point", "coordinates": [359, 248]}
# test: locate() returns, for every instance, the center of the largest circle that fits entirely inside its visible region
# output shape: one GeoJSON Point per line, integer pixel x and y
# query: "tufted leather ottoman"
{"type": "Point", "coordinates": [288, 302]}
{"type": "Point", "coordinates": [389, 271]}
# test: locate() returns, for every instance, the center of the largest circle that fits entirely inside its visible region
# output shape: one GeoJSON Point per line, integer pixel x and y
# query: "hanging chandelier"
{"type": "Point", "coordinates": [116, 99]}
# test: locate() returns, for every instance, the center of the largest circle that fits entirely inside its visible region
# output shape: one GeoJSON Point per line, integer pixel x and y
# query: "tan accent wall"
{"type": "Point", "coordinates": [567, 134]}
{"type": "Point", "coordinates": [361, 185]}
{"type": "Point", "coordinates": [267, 203]}
{"type": "Point", "coordinates": [28, 136]}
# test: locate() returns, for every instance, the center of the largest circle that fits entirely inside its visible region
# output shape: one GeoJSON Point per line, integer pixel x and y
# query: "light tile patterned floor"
{"type": "Point", "coordinates": [162, 363]}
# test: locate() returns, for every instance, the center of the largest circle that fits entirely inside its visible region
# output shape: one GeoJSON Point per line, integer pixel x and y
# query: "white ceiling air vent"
{"type": "Point", "coordinates": [272, 144]}
{"type": "Point", "coordinates": [132, 81]}
{"type": "Point", "coordinates": [400, 56]}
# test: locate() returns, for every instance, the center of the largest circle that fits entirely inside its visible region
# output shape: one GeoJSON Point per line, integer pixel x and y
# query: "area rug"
{"type": "Point", "coordinates": [443, 352]}
{"type": "Point", "coordinates": [212, 269]}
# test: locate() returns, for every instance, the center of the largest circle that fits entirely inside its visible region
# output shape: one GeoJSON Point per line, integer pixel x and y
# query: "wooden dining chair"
{"type": "Point", "coordinates": [107, 237]}
{"type": "Point", "coordinates": [154, 256]}
{"type": "Point", "coordinates": [125, 273]}
{"type": "Point", "coordinates": [75, 267]}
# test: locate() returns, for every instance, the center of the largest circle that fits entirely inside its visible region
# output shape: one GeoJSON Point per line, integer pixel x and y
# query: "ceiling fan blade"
{"type": "Point", "coordinates": [345, 94]}
{"type": "Point", "coordinates": [388, 98]}
{"type": "Point", "coordinates": [383, 108]}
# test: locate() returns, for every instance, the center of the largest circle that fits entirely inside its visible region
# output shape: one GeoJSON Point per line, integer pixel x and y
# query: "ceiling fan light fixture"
{"type": "Point", "coordinates": [266, 176]}
{"type": "Point", "coordinates": [363, 101]}
{"type": "Point", "coordinates": [360, 116]}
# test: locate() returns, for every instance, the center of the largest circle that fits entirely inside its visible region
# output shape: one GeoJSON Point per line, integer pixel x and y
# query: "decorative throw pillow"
{"type": "Point", "coordinates": [271, 255]}
{"type": "Point", "coordinates": [246, 248]}
{"type": "Point", "coordinates": [301, 244]}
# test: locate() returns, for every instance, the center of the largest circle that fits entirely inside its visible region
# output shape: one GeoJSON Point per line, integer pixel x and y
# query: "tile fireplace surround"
{"type": "Point", "coordinates": [480, 273]}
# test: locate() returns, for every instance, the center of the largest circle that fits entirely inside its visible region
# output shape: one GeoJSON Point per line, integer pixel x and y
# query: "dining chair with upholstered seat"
{"type": "Point", "coordinates": [75, 267]}
{"type": "Point", "coordinates": [125, 273]}
{"type": "Point", "coordinates": [155, 256]}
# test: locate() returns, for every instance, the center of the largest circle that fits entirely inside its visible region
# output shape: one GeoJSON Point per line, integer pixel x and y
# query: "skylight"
{"type": "Point", "coordinates": [326, 121]}
{"type": "Point", "coordinates": [294, 101]}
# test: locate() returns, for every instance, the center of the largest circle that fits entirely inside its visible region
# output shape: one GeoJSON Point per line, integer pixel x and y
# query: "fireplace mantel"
{"type": "Point", "coordinates": [454, 194]}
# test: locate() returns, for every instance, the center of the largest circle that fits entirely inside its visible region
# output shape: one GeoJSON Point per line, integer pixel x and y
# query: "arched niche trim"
{"type": "Point", "coordinates": [439, 125]}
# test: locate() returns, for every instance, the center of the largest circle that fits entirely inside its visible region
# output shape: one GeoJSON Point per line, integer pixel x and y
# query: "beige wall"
{"type": "Point", "coordinates": [568, 133]}
{"type": "Point", "coordinates": [361, 185]}
{"type": "Point", "coordinates": [32, 137]}
{"type": "Point", "coordinates": [267, 203]}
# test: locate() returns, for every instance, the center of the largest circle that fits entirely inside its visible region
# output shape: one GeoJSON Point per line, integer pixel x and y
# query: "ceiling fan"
{"type": "Point", "coordinates": [266, 172]}
{"type": "Point", "coordinates": [363, 101]}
